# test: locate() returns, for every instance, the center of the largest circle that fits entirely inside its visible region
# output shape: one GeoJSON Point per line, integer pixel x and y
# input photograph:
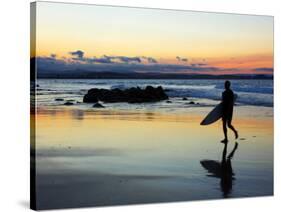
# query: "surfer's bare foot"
{"type": "Point", "coordinates": [236, 134]}
{"type": "Point", "coordinates": [224, 141]}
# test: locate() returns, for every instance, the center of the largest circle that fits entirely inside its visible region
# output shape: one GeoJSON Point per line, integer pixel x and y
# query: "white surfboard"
{"type": "Point", "coordinates": [215, 114]}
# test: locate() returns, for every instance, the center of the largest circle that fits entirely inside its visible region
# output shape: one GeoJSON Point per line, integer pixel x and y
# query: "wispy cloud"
{"type": "Point", "coordinates": [181, 59]}
{"type": "Point", "coordinates": [150, 59]}
{"type": "Point", "coordinates": [126, 59]}
{"type": "Point", "coordinates": [53, 56]}
{"type": "Point", "coordinates": [79, 54]}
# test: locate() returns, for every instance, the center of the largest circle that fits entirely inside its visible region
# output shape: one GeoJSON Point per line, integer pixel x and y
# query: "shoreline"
{"type": "Point", "coordinates": [240, 111]}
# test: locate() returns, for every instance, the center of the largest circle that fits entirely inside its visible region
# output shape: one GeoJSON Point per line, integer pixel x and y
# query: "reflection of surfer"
{"type": "Point", "coordinates": [227, 172]}
{"type": "Point", "coordinates": [227, 111]}
{"type": "Point", "coordinates": [222, 170]}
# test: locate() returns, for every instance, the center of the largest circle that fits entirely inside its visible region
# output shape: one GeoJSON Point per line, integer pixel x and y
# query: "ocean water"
{"type": "Point", "coordinates": [152, 152]}
{"type": "Point", "coordinates": [204, 92]}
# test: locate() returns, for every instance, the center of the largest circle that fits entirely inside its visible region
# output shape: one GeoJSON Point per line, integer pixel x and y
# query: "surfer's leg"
{"type": "Point", "coordinates": [224, 123]}
{"type": "Point", "coordinates": [230, 126]}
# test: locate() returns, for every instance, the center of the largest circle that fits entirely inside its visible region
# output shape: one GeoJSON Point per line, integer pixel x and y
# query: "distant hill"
{"type": "Point", "coordinates": [114, 75]}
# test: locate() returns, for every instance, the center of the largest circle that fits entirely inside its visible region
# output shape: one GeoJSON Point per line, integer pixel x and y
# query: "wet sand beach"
{"type": "Point", "coordinates": [100, 157]}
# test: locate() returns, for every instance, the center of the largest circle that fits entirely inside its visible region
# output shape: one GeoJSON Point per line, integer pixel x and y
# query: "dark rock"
{"type": "Point", "coordinates": [168, 101]}
{"type": "Point", "coordinates": [98, 105]}
{"type": "Point", "coordinates": [68, 103]}
{"type": "Point", "coordinates": [130, 95]}
{"type": "Point", "coordinates": [184, 98]}
{"type": "Point", "coordinates": [59, 99]}
{"type": "Point", "coordinates": [191, 103]}
{"type": "Point", "coordinates": [91, 96]}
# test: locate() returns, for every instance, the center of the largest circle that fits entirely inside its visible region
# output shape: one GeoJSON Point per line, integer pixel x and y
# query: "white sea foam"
{"type": "Point", "coordinates": [250, 92]}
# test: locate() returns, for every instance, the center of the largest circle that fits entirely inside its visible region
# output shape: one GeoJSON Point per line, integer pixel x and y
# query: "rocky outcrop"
{"type": "Point", "coordinates": [131, 95]}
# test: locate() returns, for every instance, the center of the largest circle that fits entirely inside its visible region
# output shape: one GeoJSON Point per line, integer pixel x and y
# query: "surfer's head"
{"type": "Point", "coordinates": [227, 84]}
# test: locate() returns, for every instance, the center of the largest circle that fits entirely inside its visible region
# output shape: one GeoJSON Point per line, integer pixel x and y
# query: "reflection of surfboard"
{"type": "Point", "coordinates": [213, 167]}
{"type": "Point", "coordinates": [215, 114]}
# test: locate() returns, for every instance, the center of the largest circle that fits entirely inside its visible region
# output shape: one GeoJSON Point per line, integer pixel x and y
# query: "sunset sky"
{"type": "Point", "coordinates": [98, 34]}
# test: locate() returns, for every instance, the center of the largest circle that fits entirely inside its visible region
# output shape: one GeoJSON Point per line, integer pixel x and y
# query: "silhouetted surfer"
{"type": "Point", "coordinates": [227, 111]}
